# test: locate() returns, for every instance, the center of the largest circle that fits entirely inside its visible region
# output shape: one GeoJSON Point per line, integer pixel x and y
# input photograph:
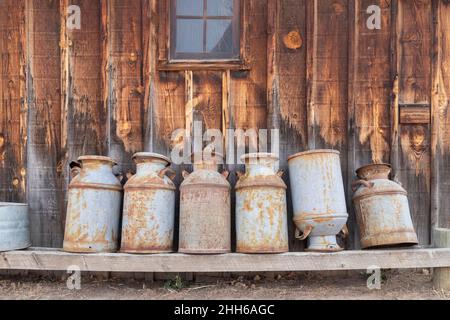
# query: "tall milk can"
{"type": "Point", "coordinates": [320, 210]}
{"type": "Point", "coordinates": [94, 206]}
{"type": "Point", "coordinates": [205, 211]}
{"type": "Point", "coordinates": [382, 209]}
{"type": "Point", "coordinates": [149, 206]}
{"type": "Point", "coordinates": [261, 214]}
{"type": "Point", "coordinates": [14, 226]}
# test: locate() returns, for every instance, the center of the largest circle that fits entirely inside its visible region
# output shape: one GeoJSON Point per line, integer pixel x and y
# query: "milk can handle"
{"type": "Point", "coordinates": [75, 168]}
{"type": "Point", "coordinates": [305, 234]}
{"type": "Point", "coordinates": [239, 174]}
{"type": "Point", "coordinates": [357, 183]}
{"type": "Point", "coordinates": [185, 174]}
{"type": "Point", "coordinates": [225, 174]}
{"type": "Point", "coordinates": [167, 172]}
{"type": "Point", "coordinates": [344, 232]}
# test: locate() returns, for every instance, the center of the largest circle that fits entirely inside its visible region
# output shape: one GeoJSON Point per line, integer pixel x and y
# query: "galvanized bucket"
{"type": "Point", "coordinates": [261, 214]}
{"type": "Point", "coordinates": [94, 207]}
{"type": "Point", "coordinates": [320, 210]}
{"type": "Point", "coordinates": [14, 226]}
{"type": "Point", "coordinates": [205, 210]}
{"type": "Point", "coordinates": [149, 206]}
{"type": "Point", "coordinates": [382, 209]}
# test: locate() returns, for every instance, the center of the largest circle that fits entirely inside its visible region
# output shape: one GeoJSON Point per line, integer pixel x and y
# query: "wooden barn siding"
{"type": "Point", "coordinates": [13, 104]}
{"type": "Point", "coordinates": [98, 90]}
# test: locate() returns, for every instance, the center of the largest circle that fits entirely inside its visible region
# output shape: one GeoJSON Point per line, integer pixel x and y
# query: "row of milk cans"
{"type": "Point", "coordinates": [140, 217]}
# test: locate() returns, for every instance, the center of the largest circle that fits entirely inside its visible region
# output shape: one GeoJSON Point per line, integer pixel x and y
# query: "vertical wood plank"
{"type": "Point", "coordinates": [442, 114]}
{"type": "Point", "coordinates": [44, 189]}
{"type": "Point", "coordinates": [249, 98]}
{"type": "Point", "coordinates": [354, 31]}
{"type": "Point", "coordinates": [125, 80]}
{"type": "Point", "coordinates": [435, 119]}
{"type": "Point", "coordinates": [165, 90]}
{"type": "Point", "coordinates": [206, 100]}
{"type": "Point", "coordinates": [13, 102]}
{"type": "Point", "coordinates": [329, 76]}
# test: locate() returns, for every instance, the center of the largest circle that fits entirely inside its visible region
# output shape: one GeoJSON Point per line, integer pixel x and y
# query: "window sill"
{"type": "Point", "coordinates": [202, 65]}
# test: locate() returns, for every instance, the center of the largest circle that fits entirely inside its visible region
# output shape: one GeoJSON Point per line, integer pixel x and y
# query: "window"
{"type": "Point", "coordinates": [204, 30]}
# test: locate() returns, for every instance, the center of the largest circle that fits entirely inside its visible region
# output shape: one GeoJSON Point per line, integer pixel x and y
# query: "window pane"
{"type": "Point", "coordinates": [220, 7]}
{"type": "Point", "coordinates": [190, 7]}
{"type": "Point", "coordinates": [219, 36]}
{"type": "Point", "coordinates": [189, 35]}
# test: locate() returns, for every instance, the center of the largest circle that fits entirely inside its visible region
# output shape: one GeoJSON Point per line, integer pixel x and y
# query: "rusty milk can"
{"type": "Point", "coordinates": [261, 214]}
{"type": "Point", "coordinates": [320, 211]}
{"type": "Point", "coordinates": [205, 211]}
{"type": "Point", "coordinates": [14, 226]}
{"type": "Point", "coordinates": [382, 209]}
{"type": "Point", "coordinates": [94, 206]}
{"type": "Point", "coordinates": [149, 206]}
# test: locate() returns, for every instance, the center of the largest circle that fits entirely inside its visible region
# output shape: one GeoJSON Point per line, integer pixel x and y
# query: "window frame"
{"type": "Point", "coordinates": [166, 63]}
{"type": "Point", "coordinates": [205, 56]}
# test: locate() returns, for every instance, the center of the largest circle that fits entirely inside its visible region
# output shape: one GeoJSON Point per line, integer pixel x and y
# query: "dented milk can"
{"type": "Point", "coordinates": [14, 226]}
{"type": "Point", "coordinates": [205, 212]}
{"type": "Point", "coordinates": [261, 214]}
{"type": "Point", "coordinates": [320, 211]}
{"type": "Point", "coordinates": [149, 206]}
{"type": "Point", "coordinates": [382, 209]}
{"type": "Point", "coordinates": [94, 206]}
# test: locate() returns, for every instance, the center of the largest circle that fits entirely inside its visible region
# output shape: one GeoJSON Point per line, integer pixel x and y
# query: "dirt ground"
{"type": "Point", "coordinates": [395, 285]}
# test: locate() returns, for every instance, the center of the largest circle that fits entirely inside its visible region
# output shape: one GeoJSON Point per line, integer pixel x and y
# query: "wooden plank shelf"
{"type": "Point", "coordinates": [54, 259]}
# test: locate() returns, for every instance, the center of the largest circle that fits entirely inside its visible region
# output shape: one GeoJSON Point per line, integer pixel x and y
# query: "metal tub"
{"type": "Point", "coordinates": [14, 226]}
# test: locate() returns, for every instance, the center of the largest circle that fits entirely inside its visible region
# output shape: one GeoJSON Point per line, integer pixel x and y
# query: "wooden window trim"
{"type": "Point", "coordinates": [167, 64]}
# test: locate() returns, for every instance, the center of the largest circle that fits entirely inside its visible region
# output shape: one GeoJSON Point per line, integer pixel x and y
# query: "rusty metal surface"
{"type": "Point", "coordinates": [149, 207]}
{"type": "Point", "coordinates": [320, 210]}
{"type": "Point", "coordinates": [205, 210]}
{"type": "Point", "coordinates": [382, 209]}
{"type": "Point", "coordinates": [94, 207]}
{"type": "Point", "coordinates": [14, 226]}
{"type": "Point", "coordinates": [261, 214]}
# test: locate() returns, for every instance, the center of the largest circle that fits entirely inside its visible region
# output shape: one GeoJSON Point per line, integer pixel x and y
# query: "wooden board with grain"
{"type": "Point", "coordinates": [44, 173]}
{"type": "Point", "coordinates": [124, 80]}
{"type": "Point", "coordinates": [165, 263]}
{"type": "Point", "coordinates": [440, 215]}
{"type": "Point", "coordinates": [13, 101]}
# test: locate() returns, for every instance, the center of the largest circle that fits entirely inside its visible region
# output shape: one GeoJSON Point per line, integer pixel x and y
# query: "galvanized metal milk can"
{"type": "Point", "coordinates": [261, 214]}
{"type": "Point", "coordinates": [320, 211]}
{"type": "Point", "coordinates": [149, 206]}
{"type": "Point", "coordinates": [205, 211]}
{"type": "Point", "coordinates": [94, 206]}
{"type": "Point", "coordinates": [14, 226]}
{"type": "Point", "coordinates": [382, 209]}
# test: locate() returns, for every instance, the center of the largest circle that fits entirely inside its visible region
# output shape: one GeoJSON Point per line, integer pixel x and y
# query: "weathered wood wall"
{"type": "Point", "coordinates": [312, 69]}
